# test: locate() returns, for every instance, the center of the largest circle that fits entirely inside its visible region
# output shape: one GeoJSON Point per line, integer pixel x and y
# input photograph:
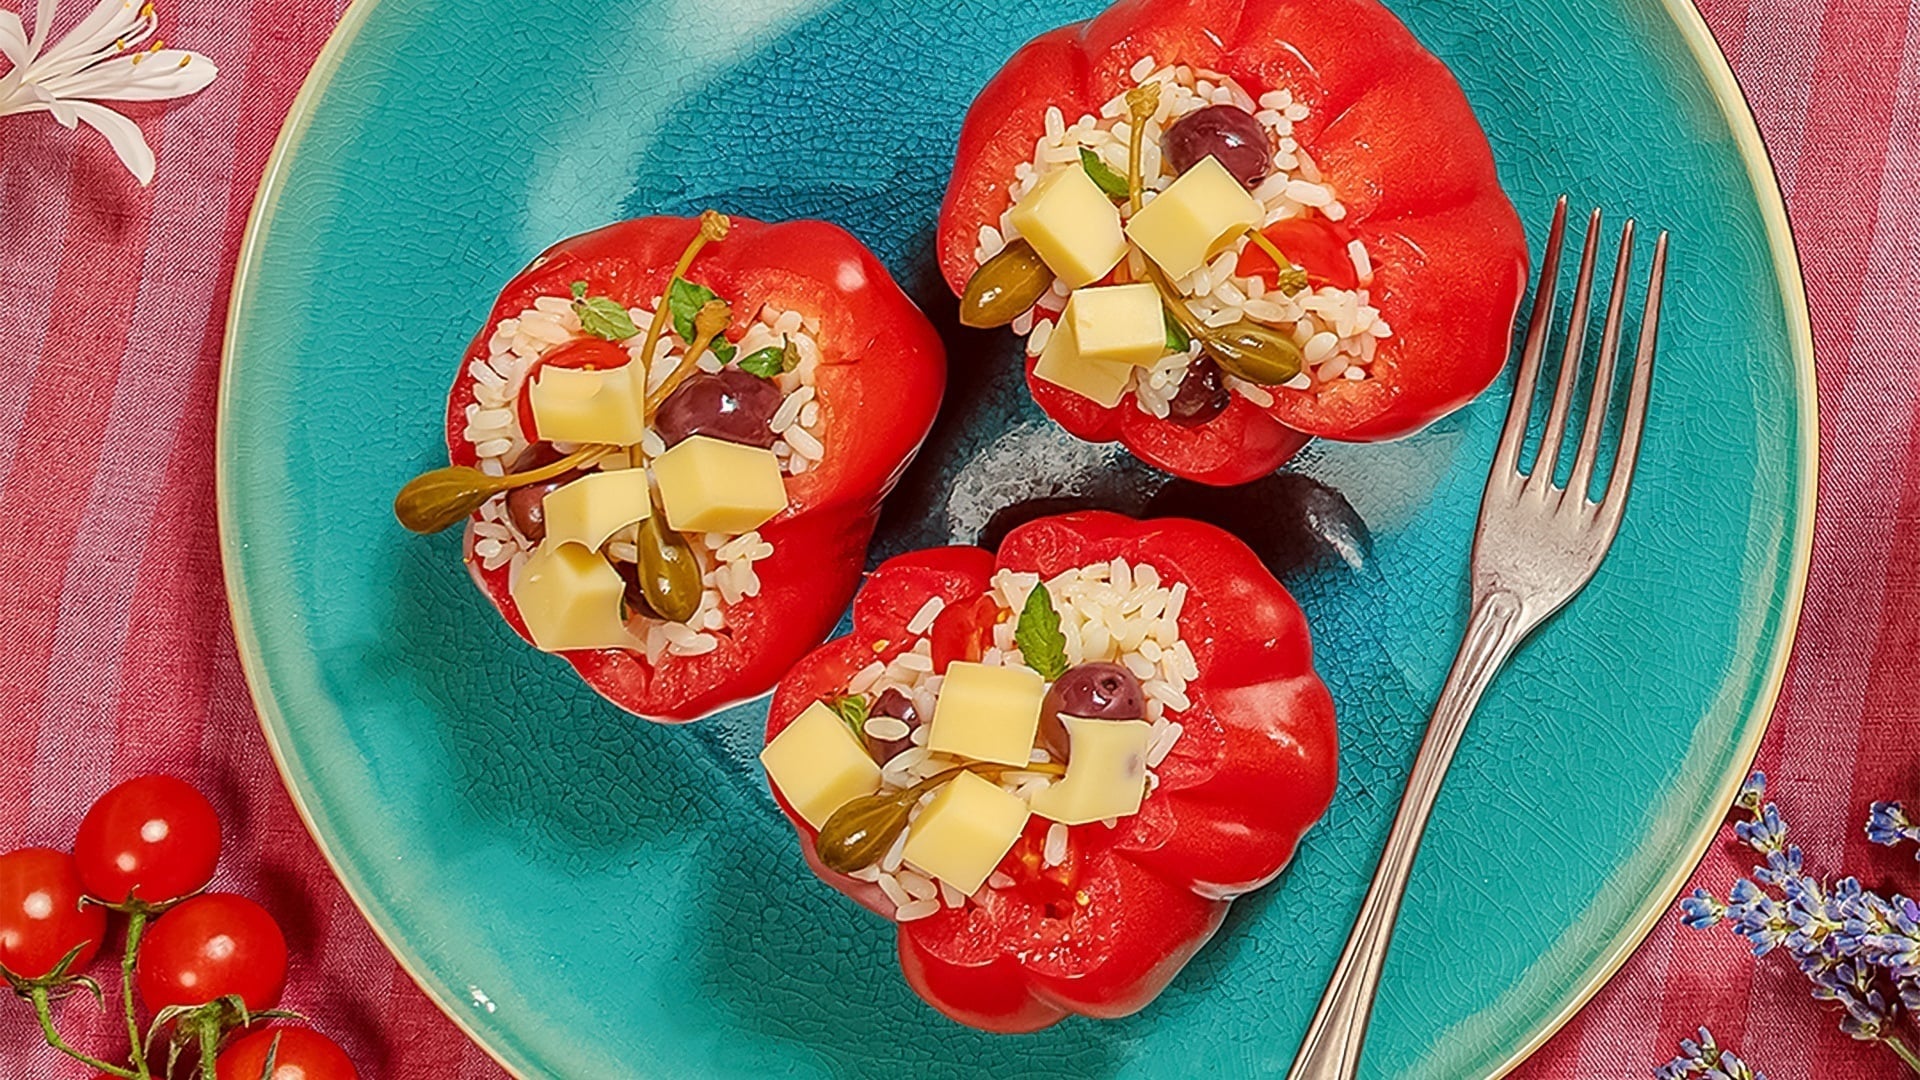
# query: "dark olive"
{"type": "Point", "coordinates": [1097, 691]}
{"type": "Point", "coordinates": [1004, 286]}
{"type": "Point", "coordinates": [1203, 395]}
{"type": "Point", "coordinates": [525, 505]}
{"type": "Point", "coordinates": [892, 703]}
{"type": "Point", "coordinates": [1254, 352]}
{"type": "Point", "coordinates": [1227, 133]}
{"type": "Point", "coordinates": [731, 404]}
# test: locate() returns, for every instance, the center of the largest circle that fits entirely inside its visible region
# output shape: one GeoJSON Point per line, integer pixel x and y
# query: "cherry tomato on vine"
{"type": "Point", "coordinates": [209, 947]}
{"type": "Point", "coordinates": [153, 838]}
{"type": "Point", "coordinates": [41, 918]}
{"type": "Point", "coordinates": [304, 1054]}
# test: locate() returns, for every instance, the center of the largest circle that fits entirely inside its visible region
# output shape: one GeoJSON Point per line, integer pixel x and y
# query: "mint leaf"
{"type": "Point", "coordinates": [603, 317]}
{"type": "Point", "coordinates": [765, 363]}
{"type": "Point", "coordinates": [723, 349]}
{"type": "Point", "coordinates": [1103, 176]}
{"type": "Point", "coordinates": [685, 299]}
{"type": "Point", "coordinates": [1042, 645]}
{"type": "Point", "coordinates": [1177, 338]}
{"type": "Point", "coordinates": [851, 708]}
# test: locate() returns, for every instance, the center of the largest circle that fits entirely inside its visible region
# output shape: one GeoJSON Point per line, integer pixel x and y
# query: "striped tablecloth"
{"type": "Point", "coordinates": [116, 656]}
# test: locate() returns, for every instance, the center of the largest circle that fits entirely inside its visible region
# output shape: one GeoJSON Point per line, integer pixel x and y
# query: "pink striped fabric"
{"type": "Point", "coordinates": [118, 658]}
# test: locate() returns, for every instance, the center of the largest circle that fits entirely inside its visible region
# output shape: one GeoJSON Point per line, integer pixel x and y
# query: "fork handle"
{"type": "Point", "coordinates": [1331, 1048]}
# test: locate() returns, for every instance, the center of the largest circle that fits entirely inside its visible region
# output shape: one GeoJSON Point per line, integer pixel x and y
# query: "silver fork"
{"type": "Point", "coordinates": [1536, 546]}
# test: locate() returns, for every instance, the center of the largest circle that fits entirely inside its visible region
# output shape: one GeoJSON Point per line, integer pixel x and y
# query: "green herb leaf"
{"type": "Point", "coordinates": [579, 289]}
{"type": "Point", "coordinates": [1038, 634]}
{"type": "Point", "coordinates": [723, 349]}
{"type": "Point", "coordinates": [1103, 175]}
{"type": "Point", "coordinates": [603, 317]}
{"type": "Point", "coordinates": [852, 708]}
{"type": "Point", "coordinates": [765, 363]}
{"type": "Point", "coordinates": [1178, 339]}
{"type": "Point", "coordinates": [685, 299]}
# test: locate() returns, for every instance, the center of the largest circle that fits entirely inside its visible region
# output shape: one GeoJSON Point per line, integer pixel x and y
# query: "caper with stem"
{"type": "Point", "coordinates": [1253, 351]}
{"type": "Point", "coordinates": [435, 500]}
{"type": "Point", "coordinates": [861, 831]}
{"type": "Point", "coordinates": [1004, 286]}
{"type": "Point", "coordinates": [668, 570]}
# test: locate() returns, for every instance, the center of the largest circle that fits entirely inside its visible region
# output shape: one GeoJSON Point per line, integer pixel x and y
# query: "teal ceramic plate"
{"type": "Point", "coordinates": [590, 895]}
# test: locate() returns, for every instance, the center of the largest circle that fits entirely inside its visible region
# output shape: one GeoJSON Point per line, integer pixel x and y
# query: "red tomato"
{"type": "Point", "coordinates": [303, 1054]}
{"type": "Point", "coordinates": [1318, 246]}
{"type": "Point", "coordinates": [588, 354]}
{"type": "Point", "coordinates": [153, 838]}
{"type": "Point", "coordinates": [41, 918]}
{"type": "Point", "coordinates": [210, 947]}
{"type": "Point", "coordinates": [963, 631]}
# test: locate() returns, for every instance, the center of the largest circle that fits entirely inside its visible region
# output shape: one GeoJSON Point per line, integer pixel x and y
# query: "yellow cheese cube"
{"type": "Point", "coordinates": [1194, 218]}
{"type": "Point", "coordinates": [594, 507]}
{"type": "Point", "coordinates": [965, 831]}
{"type": "Point", "coordinates": [1072, 225]}
{"type": "Point", "coordinates": [569, 598]}
{"type": "Point", "coordinates": [1060, 364]}
{"type": "Point", "coordinates": [987, 712]}
{"type": "Point", "coordinates": [581, 406]}
{"type": "Point", "coordinates": [1106, 772]}
{"type": "Point", "coordinates": [818, 766]}
{"type": "Point", "coordinates": [1117, 324]}
{"type": "Point", "coordinates": [710, 485]}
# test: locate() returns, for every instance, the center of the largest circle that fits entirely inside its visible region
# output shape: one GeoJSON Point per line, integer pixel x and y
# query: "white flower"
{"type": "Point", "coordinates": [104, 57]}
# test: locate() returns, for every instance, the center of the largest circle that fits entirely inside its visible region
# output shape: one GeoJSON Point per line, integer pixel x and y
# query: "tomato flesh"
{"type": "Point", "coordinates": [963, 631]}
{"type": "Point", "coordinates": [1315, 245]}
{"type": "Point", "coordinates": [41, 917]}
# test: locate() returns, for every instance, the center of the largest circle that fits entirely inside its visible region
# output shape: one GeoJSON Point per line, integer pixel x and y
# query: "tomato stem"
{"type": "Point", "coordinates": [207, 1027]}
{"type": "Point", "coordinates": [43, 1010]}
{"type": "Point", "coordinates": [136, 929]}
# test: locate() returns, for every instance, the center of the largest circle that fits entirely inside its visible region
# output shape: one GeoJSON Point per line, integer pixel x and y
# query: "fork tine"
{"type": "Point", "coordinates": [1603, 370]}
{"type": "Point", "coordinates": [1615, 501]}
{"type": "Point", "coordinates": [1543, 465]}
{"type": "Point", "coordinates": [1506, 459]}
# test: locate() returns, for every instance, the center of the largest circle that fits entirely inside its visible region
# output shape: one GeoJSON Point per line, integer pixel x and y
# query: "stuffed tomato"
{"type": "Point", "coordinates": [1225, 226]}
{"type": "Point", "coordinates": [670, 443]}
{"type": "Point", "coordinates": [1054, 767]}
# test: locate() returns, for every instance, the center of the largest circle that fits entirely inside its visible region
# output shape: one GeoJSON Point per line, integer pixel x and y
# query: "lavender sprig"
{"type": "Point", "coordinates": [1860, 951]}
{"type": "Point", "coordinates": [1702, 1059]}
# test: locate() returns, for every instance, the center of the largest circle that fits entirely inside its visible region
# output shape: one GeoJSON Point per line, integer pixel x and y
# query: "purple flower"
{"type": "Point", "coordinates": [1859, 950]}
{"type": "Point", "coordinates": [1702, 1059]}
{"type": "Point", "coordinates": [1887, 824]}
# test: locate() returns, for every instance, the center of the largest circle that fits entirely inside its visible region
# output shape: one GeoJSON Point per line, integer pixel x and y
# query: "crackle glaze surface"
{"type": "Point", "coordinates": [595, 896]}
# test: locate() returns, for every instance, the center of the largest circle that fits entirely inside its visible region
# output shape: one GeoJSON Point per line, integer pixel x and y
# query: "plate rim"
{"type": "Point", "coordinates": [1742, 125]}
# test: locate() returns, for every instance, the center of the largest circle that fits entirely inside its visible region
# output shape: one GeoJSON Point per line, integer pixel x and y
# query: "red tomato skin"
{"type": "Point", "coordinates": [41, 917]}
{"type": "Point", "coordinates": [963, 631]}
{"type": "Point", "coordinates": [593, 354]}
{"type": "Point", "coordinates": [209, 947]}
{"type": "Point", "coordinates": [153, 838]}
{"type": "Point", "coordinates": [878, 393]}
{"type": "Point", "coordinates": [1254, 770]}
{"type": "Point", "coordinates": [304, 1054]}
{"type": "Point", "coordinates": [1316, 245]}
{"type": "Point", "coordinates": [1391, 130]}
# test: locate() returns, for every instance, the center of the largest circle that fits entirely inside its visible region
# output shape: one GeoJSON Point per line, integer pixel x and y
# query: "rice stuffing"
{"type": "Point", "coordinates": [1338, 330]}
